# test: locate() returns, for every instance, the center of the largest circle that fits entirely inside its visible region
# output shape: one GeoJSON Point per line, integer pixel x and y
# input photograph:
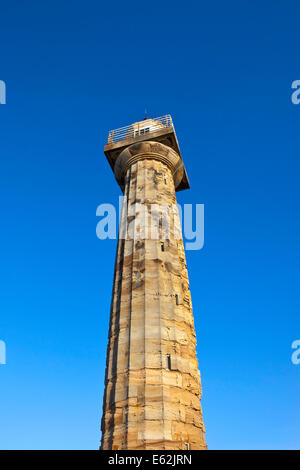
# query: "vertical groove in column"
{"type": "Point", "coordinates": [144, 202]}
{"type": "Point", "coordinates": [131, 219]}
{"type": "Point", "coordinates": [160, 305]}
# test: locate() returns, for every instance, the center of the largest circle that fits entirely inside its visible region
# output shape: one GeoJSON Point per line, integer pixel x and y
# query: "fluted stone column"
{"type": "Point", "coordinates": [152, 385]}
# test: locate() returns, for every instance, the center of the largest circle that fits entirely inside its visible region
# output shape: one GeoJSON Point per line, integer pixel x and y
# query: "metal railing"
{"type": "Point", "coordinates": [139, 128]}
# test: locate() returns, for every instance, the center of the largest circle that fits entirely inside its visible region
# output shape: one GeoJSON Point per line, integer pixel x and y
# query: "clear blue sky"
{"type": "Point", "coordinates": [223, 70]}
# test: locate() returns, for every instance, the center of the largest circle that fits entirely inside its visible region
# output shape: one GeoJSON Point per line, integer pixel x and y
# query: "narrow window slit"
{"type": "Point", "coordinates": [168, 362]}
{"type": "Point", "coordinates": [176, 298]}
{"type": "Point", "coordinates": [162, 246]}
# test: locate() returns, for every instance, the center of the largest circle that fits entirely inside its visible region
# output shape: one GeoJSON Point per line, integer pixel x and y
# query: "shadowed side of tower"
{"type": "Point", "coordinates": [152, 384]}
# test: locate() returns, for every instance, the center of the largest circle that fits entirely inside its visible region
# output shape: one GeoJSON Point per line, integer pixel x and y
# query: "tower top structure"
{"type": "Point", "coordinates": [160, 130]}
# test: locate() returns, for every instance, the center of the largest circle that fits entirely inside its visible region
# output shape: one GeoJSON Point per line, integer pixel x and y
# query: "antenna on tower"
{"type": "Point", "coordinates": [146, 115]}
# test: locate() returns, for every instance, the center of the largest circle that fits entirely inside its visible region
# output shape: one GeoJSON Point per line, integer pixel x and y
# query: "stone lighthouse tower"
{"type": "Point", "coordinates": [152, 383]}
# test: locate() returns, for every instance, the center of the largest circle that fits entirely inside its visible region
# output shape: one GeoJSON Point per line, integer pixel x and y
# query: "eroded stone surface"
{"type": "Point", "coordinates": [152, 386]}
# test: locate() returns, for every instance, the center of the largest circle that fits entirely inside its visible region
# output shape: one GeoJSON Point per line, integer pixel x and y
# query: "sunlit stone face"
{"type": "Point", "coordinates": [153, 390]}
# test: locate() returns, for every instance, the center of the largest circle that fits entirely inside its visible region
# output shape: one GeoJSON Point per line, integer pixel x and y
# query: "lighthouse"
{"type": "Point", "coordinates": [152, 382]}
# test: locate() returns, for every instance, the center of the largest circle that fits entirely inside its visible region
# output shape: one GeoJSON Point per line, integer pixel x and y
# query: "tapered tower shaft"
{"type": "Point", "coordinates": [152, 385]}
